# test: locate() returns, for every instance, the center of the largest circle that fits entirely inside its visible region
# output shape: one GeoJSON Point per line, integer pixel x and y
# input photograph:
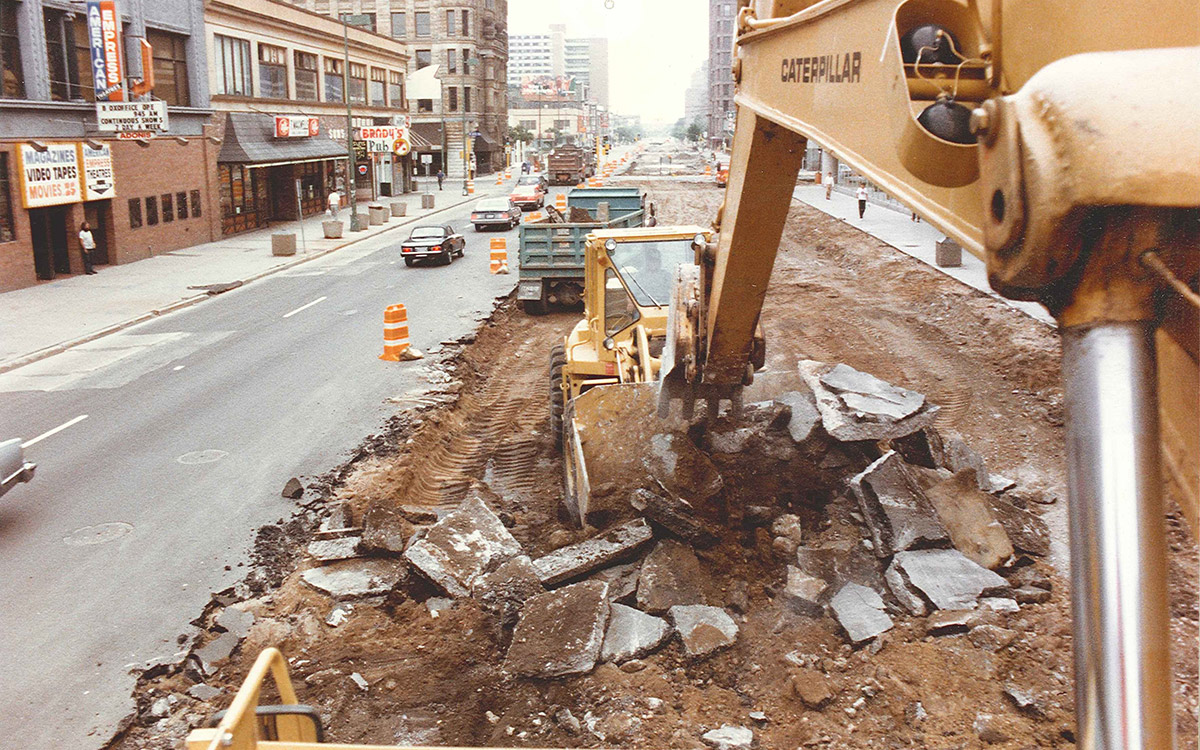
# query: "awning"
{"type": "Point", "coordinates": [426, 136]}
{"type": "Point", "coordinates": [489, 143]}
{"type": "Point", "coordinates": [250, 139]}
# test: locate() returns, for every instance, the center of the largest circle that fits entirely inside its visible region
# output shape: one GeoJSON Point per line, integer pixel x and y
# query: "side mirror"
{"type": "Point", "coordinates": [294, 723]}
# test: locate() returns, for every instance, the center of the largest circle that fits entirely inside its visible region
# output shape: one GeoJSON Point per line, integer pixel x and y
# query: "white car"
{"type": "Point", "coordinates": [495, 212]}
{"type": "Point", "coordinates": [14, 469]}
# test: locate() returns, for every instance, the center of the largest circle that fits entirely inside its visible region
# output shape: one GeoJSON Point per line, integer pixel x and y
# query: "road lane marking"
{"type": "Point", "coordinates": [55, 431]}
{"type": "Point", "coordinates": [305, 307]}
{"type": "Point", "coordinates": [177, 368]}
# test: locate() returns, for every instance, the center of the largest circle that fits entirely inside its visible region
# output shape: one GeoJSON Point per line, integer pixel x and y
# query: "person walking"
{"type": "Point", "coordinates": [88, 243]}
{"type": "Point", "coordinates": [335, 203]}
{"type": "Point", "coordinates": [861, 194]}
{"type": "Point", "coordinates": [441, 178]}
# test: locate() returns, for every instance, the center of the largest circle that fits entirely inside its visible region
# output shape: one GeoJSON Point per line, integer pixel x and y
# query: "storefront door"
{"type": "Point", "coordinates": [48, 229]}
{"type": "Point", "coordinates": [99, 216]}
{"type": "Point", "coordinates": [283, 193]}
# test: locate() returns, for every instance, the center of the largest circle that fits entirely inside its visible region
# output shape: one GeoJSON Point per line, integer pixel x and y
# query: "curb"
{"type": "Point", "coordinates": [59, 348]}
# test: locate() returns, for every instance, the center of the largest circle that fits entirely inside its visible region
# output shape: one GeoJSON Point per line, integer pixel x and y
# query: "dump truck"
{"type": "Point", "coordinates": [1060, 143]}
{"type": "Point", "coordinates": [551, 256]}
{"type": "Point", "coordinates": [570, 165]}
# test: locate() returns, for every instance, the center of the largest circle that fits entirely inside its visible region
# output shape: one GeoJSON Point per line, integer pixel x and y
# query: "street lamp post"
{"type": "Point", "coordinates": [351, 179]}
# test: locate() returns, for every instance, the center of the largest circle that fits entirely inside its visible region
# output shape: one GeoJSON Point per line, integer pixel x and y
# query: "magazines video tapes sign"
{"type": "Point", "coordinates": [104, 39]}
{"type": "Point", "coordinates": [125, 117]}
{"type": "Point", "coordinates": [49, 177]}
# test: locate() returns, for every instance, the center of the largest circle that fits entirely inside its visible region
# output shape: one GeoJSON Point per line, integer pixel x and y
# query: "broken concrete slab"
{"type": "Point", "coordinates": [577, 560]}
{"type": "Point", "coordinates": [856, 406]}
{"type": "Point", "coordinates": [947, 577]}
{"type": "Point", "coordinates": [670, 575]}
{"type": "Point", "coordinates": [950, 621]}
{"type": "Point", "coordinates": [958, 456]}
{"type": "Point", "coordinates": [1028, 532]}
{"type": "Point", "coordinates": [1031, 595]}
{"type": "Point", "coordinates": [840, 564]}
{"type": "Point", "coordinates": [202, 691]}
{"type": "Point", "coordinates": [703, 629]}
{"type": "Point", "coordinates": [1002, 604]}
{"type": "Point", "coordinates": [385, 532]}
{"type": "Point", "coordinates": [337, 548]}
{"type": "Point", "coordinates": [354, 579]}
{"type": "Point", "coordinates": [922, 448]}
{"type": "Point", "coordinates": [909, 599]}
{"type": "Point", "coordinates": [788, 533]}
{"type": "Point", "coordinates": [860, 612]}
{"type": "Point", "coordinates": [560, 632]}
{"type": "Point", "coordinates": [729, 737]}
{"type": "Point", "coordinates": [293, 489]}
{"type": "Point", "coordinates": [898, 514]}
{"type": "Point", "coordinates": [340, 517]}
{"type": "Point", "coordinates": [804, 416]}
{"type": "Point", "coordinates": [462, 546]}
{"type": "Point", "coordinates": [967, 514]}
{"type": "Point", "coordinates": [622, 581]}
{"type": "Point", "coordinates": [681, 468]}
{"type": "Point", "coordinates": [236, 621]}
{"type": "Point", "coordinates": [802, 592]}
{"type": "Point", "coordinates": [991, 637]}
{"type": "Point", "coordinates": [673, 514]}
{"type": "Point", "coordinates": [632, 634]}
{"type": "Point", "coordinates": [506, 589]}
{"type": "Point", "coordinates": [214, 651]}
{"type": "Point", "coordinates": [417, 514]}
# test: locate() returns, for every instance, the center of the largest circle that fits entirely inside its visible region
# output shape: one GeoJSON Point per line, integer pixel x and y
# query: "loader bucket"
{"type": "Point", "coordinates": [606, 431]}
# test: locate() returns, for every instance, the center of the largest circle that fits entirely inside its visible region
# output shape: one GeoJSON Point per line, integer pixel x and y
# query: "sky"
{"type": "Point", "coordinates": [654, 46]}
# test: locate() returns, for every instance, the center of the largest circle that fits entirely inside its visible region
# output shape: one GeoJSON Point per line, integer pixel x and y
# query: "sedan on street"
{"type": "Point", "coordinates": [495, 212]}
{"type": "Point", "coordinates": [529, 192]}
{"type": "Point", "coordinates": [440, 242]}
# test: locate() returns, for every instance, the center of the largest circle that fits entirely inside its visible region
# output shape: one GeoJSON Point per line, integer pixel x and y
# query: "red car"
{"type": "Point", "coordinates": [529, 192]}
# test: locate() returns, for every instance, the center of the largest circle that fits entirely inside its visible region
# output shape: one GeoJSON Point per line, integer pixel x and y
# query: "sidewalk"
{"type": "Point", "coordinates": [911, 238]}
{"type": "Point", "coordinates": [42, 320]}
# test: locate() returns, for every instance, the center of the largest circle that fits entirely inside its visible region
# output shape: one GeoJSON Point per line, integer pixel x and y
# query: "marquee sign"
{"type": "Point", "coordinates": [139, 117]}
{"type": "Point", "coordinates": [104, 38]}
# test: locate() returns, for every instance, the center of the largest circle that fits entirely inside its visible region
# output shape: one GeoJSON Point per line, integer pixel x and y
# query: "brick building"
{"type": "Point", "coordinates": [721, 22]}
{"type": "Point", "coordinates": [142, 197]}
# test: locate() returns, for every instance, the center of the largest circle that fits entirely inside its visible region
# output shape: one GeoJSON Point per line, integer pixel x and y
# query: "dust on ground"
{"type": "Point", "coordinates": [837, 295]}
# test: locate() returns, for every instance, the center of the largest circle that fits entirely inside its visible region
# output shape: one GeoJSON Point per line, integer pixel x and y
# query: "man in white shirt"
{"type": "Point", "coordinates": [861, 194]}
{"type": "Point", "coordinates": [335, 203]}
{"type": "Point", "coordinates": [88, 244]}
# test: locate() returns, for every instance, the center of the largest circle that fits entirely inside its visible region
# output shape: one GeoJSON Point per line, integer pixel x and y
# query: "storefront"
{"type": "Point", "coordinates": [274, 168]}
{"type": "Point", "coordinates": [427, 148]}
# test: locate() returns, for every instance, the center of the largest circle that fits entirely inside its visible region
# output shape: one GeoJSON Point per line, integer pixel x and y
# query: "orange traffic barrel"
{"type": "Point", "coordinates": [533, 217]}
{"type": "Point", "coordinates": [470, 187]}
{"type": "Point", "coordinates": [499, 178]}
{"type": "Point", "coordinates": [560, 202]}
{"type": "Point", "coordinates": [395, 333]}
{"type": "Point", "coordinates": [707, 169]}
{"type": "Point", "coordinates": [499, 255]}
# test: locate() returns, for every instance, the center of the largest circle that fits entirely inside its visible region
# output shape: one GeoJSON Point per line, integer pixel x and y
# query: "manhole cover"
{"type": "Point", "coordinates": [101, 533]}
{"type": "Point", "coordinates": [202, 457]}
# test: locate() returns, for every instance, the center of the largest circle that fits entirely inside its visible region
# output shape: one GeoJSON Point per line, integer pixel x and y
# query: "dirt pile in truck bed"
{"type": "Point", "coordinates": [757, 646]}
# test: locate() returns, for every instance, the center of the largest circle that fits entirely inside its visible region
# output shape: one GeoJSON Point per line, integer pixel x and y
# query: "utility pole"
{"type": "Point", "coordinates": [351, 178]}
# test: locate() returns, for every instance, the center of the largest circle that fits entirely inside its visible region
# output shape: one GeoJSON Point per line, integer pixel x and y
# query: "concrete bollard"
{"type": "Point", "coordinates": [364, 221]}
{"type": "Point", "coordinates": [333, 229]}
{"type": "Point", "coordinates": [399, 208]}
{"type": "Point", "coordinates": [378, 215]}
{"type": "Point", "coordinates": [426, 200]}
{"type": "Point", "coordinates": [283, 244]}
{"type": "Point", "coordinates": [948, 253]}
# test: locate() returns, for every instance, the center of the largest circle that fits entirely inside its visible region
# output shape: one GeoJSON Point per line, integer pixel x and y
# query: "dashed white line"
{"type": "Point", "coordinates": [305, 307]}
{"type": "Point", "coordinates": [55, 431]}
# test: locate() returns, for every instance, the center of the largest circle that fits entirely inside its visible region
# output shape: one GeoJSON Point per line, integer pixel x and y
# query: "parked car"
{"type": "Point", "coordinates": [530, 192]}
{"type": "Point", "coordinates": [494, 212]}
{"type": "Point", "coordinates": [433, 241]}
{"type": "Point", "coordinates": [14, 469]}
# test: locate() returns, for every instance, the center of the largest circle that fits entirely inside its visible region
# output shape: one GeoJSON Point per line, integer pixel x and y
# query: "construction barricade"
{"type": "Point", "coordinates": [499, 255]}
{"type": "Point", "coordinates": [396, 345]}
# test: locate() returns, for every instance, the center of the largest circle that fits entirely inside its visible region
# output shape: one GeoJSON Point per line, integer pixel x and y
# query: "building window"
{"type": "Point", "coordinates": [370, 20]}
{"type": "Point", "coordinates": [195, 195]}
{"type": "Point", "coordinates": [272, 72]}
{"type": "Point", "coordinates": [233, 66]}
{"type": "Point", "coordinates": [10, 53]}
{"type": "Point", "coordinates": [83, 60]}
{"type": "Point", "coordinates": [151, 211]}
{"type": "Point", "coordinates": [424, 105]}
{"type": "Point", "coordinates": [422, 19]}
{"type": "Point", "coordinates": [449, 23]}
{"type": "Point", "coordinates": [8, 231]}
{"type": "Point", "coordinates": [306, 76]}
{"type": "Point", "coordinates": [135, 213]}
{"type": "Point", "coordinates": [396, 89]}
{"type": "Point", "coordinates": [527, 124]}
{"type": "Point", "coordinates": [399, 25]}
{"type": "Point", "coordinates": [466, 24]}
{"type": "Point", "coordinates": [333, 80]}
{"type": "Point", "coordinates": [168, 208]}
{"type": "Point", "coordinates": [378, 90]}
{"type": "Point", "coordinates": [181, 205]}
{"type": "Point", "coordinates": [466, 62]}
{"type": "Point", "coordinates": [60, 53]}
{"type": "Point", "coordinates": [170, 67]}
{"type": "Point", "coordinates": [358, 83]}
{"type": "Point", "coordinates": [424, 58]}
{"type": "Point", "coordinates": [451, 61]}
{"type": "Point", "coordinates": [466, 98]}
{"type": "Point", "coordinates": [452, 99]}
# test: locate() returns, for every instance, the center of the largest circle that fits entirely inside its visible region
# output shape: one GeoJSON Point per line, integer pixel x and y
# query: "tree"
{"type": "Point", "coordinates": [679, 129]}
{"type": "Point", "coordinates": [695, 131]}
{"type": "Point", "coordinates": [627, 133]}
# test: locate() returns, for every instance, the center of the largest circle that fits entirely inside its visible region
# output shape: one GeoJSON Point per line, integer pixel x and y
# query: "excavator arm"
{"type": "Point", "coordinates": [1060, 142]}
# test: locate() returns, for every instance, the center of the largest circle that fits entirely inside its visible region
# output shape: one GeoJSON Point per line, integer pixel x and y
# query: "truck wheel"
{"type": "Point", "coordinates": [558, 360]}
{"type": "Point", "coordinates": [534, 306]}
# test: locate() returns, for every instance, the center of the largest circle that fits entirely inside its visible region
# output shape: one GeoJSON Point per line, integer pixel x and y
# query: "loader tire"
{"type": "Point", "coordinates": [558, 359]}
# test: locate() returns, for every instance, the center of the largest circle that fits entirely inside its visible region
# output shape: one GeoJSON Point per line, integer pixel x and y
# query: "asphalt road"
{"type": "Point", "coordinates": [185, 430]}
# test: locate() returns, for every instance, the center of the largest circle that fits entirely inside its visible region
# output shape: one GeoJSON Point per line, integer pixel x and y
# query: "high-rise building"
{"type": "Point", "coordinates": [587, 61]}
{"type": "Point", "coordinates": [695, 97]}
{"type": "Point", "coordinates": [721, 21]}
{"type": "Point", "coordinates": [554, 54]}
{"type": "Point", "coordinates": [468, 41]}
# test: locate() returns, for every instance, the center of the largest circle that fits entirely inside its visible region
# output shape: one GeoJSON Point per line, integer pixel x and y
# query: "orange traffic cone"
{"type": "Point", "coordinates": [396, 346]}
{"type": "Point", "coordinates": [560, 202]}
{"type": "Point", "coordinates": [499, 255]}
{"type": "Point", "coordinates": [470, 187]}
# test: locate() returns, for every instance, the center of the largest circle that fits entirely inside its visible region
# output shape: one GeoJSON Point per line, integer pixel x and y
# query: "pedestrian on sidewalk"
{"type": "Point", "coordinates": [335, 203]}
{"type": "Point", "coordinates": [861, 194]}
{"type": "Point", "coordinates": [88, 243]}
{"type": "Point", "coordinates": [441, 178]}
{"type": "Point", "coordinates": [828, 187]}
